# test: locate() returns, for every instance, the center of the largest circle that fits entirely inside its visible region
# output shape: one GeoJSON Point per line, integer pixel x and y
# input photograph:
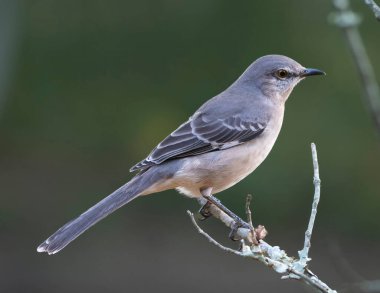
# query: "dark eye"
{"type": "Point", "coordinates": [282, 73]}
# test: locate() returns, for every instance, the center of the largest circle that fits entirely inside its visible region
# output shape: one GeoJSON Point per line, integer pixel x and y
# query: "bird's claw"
{"type": "Point", "coordinates": [204, 213]}
{"type": "Point", "coordinates": [239, 223]}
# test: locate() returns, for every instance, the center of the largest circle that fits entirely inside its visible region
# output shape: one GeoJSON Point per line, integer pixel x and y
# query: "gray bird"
{"type": "Point", "coordinates": [226, 139]}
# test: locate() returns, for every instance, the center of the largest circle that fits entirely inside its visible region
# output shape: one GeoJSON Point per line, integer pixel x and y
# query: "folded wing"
{"type": "Point", "coordinates": [201, 135]}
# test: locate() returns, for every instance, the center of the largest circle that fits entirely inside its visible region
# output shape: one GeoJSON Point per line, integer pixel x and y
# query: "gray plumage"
{"type": "Point", "coordinates": [108, 205]}
{"type": "Point", "coordinates": [224, 141]}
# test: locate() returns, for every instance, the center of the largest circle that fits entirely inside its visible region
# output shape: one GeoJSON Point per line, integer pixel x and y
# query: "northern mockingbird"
{"type": "Point", "coordinates": [226, 139]}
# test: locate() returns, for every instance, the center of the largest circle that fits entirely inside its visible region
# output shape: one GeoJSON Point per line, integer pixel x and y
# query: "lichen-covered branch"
{"type": "Point", "coordinates": [272, 256]}
{"type": "Point", "coordinates": [348, 21]}
{"type": "Point", "coordinates": [374, 7]}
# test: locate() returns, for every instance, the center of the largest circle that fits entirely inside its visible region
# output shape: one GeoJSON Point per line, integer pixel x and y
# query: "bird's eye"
{"type": "Point", "coordinates": [282, 73]}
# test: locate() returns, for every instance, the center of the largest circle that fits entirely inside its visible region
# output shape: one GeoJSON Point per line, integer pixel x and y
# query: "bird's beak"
{"type": "Point", "coordinates": [311, 71]}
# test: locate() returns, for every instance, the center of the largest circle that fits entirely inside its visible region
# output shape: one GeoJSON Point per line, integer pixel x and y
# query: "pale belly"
{"type": "Point", "coordinates": [222, 169]}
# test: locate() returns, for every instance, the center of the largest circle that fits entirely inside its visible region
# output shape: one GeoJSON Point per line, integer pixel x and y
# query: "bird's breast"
{"type": "Point", "coordinates": [222, 169]}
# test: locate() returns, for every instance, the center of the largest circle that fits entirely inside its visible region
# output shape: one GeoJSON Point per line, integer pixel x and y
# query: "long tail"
{"type": "Point", "coordinates": [115, 200]}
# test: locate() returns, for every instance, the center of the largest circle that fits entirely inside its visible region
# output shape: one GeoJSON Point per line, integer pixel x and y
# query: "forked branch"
{"type": "Point", "coordinates": [252, 245]}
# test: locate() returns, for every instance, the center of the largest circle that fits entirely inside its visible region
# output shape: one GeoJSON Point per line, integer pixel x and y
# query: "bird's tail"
{"type": "Point", "coordinates": [115, 200]}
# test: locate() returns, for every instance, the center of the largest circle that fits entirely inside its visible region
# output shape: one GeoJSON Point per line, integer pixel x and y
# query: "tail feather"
{"type": "Point", "coordinates": [115, 200]}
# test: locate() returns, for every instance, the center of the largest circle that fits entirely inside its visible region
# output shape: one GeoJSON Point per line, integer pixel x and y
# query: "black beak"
{"type": "Point", "coordinates": [311, 71]}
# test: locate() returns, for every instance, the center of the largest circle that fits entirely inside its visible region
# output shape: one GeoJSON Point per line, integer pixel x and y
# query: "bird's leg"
{"type": "Point", "coordinates": [239, 223]}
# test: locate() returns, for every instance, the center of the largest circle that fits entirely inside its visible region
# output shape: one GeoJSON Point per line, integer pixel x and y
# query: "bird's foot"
{"type": "Point", "coordinates": [256, 234]}
{"type": "Point", "coordinates": [213, 200]}
{"type": "Point", "coordinates": [204, 213]}
{"type": "Point", "coordinates": [233, 233]}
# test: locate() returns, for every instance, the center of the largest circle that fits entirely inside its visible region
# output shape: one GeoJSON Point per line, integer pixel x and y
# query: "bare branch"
{"type": "Point", "coordinates": [348, 21]}
{"type": "Point", "coordinates": [374, 7]}
{"type": "Point", "coordinates": [248, 210]}
{"type": "Point", "coordinates": [209, 238]}
{"type": "Point", "coordinates": [271, 256]}
{"type": "Point", "coordinates": [304, 253]}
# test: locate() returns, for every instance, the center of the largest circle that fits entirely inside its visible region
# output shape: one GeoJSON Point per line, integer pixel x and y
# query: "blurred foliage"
{"type": "Point", "coordinates": [97, 84]}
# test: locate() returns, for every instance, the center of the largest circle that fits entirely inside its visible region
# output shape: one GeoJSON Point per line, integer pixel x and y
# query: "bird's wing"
{"type": "Point", "coordinates": [201, 135]}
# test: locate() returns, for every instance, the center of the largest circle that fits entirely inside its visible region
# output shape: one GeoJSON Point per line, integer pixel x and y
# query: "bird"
{"type": "Point", "coordinates": [224, 141]}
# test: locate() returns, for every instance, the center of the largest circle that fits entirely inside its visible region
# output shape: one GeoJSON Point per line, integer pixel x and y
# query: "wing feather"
{"type": "Point", "coordinates": [201, 135]}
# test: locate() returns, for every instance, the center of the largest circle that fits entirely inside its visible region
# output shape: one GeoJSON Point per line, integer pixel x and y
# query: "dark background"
{"type": "Point", "coordinates": [88, 88]}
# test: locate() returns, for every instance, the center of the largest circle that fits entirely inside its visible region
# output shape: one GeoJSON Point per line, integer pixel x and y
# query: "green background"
{"type": "Point", "coordinates": [88, 88]}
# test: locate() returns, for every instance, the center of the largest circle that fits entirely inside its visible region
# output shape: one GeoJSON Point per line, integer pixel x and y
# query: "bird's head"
{"type": "Point", "coordinates": [276, 76]}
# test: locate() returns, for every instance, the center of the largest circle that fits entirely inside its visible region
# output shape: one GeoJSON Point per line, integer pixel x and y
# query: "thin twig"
{"type": "Point", "coordinates": [348, 21]}
{"type": "Point", "coordinates": [209, 238]}
{"type": "Point", "coordinates": [248, 210]}
{"type": "Point", "coordinates": [272, 256]}
{"type": "Point", "coordinates": [304, 253]}
{"type": "Point", "coordinates": [313, 281]}
{"type": "Point", "coordinates": [374, 7]}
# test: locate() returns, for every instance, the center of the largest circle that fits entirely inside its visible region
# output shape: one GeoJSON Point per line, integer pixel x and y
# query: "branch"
{"type": "Point", "coordinates": [374, 7]}
{"type": "Point", "coordinates": [248, 210]}
{"type": "Point", "coordinates": [348, 21]}
{"type": "Point", "coordinates": [303, 254]}
{"type": "Point", "coordinates": [272, 256]}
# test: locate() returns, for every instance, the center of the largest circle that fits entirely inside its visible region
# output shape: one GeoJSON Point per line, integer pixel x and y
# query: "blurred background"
{"type": "Point", "coordinates": [88, 88]}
